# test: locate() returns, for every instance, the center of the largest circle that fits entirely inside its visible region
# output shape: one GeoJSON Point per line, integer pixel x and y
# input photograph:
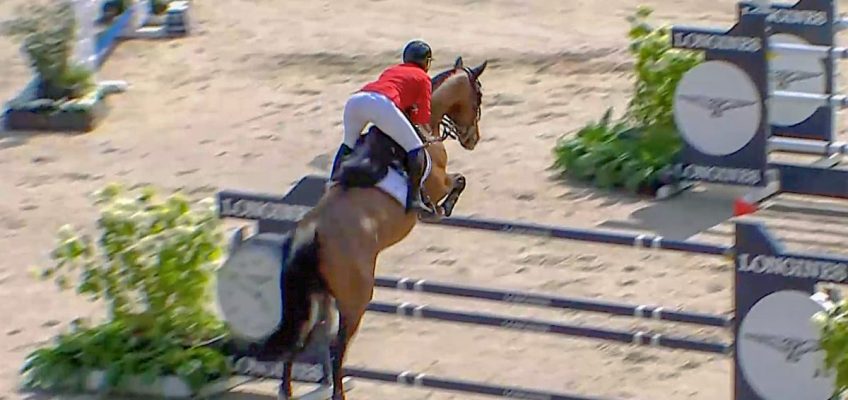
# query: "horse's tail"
{"type": "Point", "coordinates": [304, 248]}
{"type": "Point", "coordinates": [301, 278]}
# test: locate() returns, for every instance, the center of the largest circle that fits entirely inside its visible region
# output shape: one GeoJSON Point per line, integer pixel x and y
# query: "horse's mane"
{"type": "Point", "coordinates": [442, 77]}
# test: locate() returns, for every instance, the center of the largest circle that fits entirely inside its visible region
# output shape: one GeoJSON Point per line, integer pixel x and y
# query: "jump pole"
{"type": "Point", "coordinates": [645, 311]}
{"type": "Point", "coordinates": [775, 298]}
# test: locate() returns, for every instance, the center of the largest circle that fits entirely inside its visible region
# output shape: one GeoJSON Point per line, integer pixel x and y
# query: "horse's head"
{"type": "Point", "coordinates": [457, 103]}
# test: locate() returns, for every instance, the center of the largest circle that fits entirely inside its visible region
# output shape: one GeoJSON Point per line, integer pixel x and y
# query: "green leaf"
{"type": "Point", "coordinates": [585, 166]}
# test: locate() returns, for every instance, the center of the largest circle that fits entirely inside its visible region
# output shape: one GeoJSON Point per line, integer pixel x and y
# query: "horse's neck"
{"type": "Point", "coordinates": [443, 99]}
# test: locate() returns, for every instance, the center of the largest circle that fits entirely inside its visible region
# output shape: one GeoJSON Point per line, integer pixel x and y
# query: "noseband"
{"type": "Point", "coordinates": [450, 129]}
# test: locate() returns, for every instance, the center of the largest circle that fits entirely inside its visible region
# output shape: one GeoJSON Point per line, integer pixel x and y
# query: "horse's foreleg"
{"type": "Point", "coordinates": [457, 187]}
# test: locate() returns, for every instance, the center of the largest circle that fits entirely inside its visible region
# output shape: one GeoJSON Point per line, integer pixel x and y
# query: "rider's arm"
{"type": "Point", "coordinates": [422, 117]}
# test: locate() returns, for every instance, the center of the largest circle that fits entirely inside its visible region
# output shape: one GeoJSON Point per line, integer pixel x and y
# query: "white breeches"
{"type": "Point", "coordinates": [365, 107]}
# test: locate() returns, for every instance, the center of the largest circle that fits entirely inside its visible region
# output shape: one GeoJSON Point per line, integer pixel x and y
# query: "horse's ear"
{"type": "Point", "coordinates": [478, 70]}
{"type": "Point", "coordinates": [458, 63]}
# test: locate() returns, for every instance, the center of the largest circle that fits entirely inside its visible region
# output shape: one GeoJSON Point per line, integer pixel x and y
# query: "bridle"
{"type": "Point", "coordinates": [449, 128]}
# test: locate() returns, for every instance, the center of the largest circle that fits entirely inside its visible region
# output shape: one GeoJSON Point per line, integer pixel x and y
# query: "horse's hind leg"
{"type": "Point", "coordinates": [457, 187]}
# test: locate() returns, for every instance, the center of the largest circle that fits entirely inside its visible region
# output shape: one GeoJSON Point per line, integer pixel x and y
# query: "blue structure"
{"type": "Point", "coordinates": [765, 273]}
{"type": "Point", "coordinates": [108, 38]}
{"type": "Point", "coordinates": [816, 22]}
{"type": "Point", "coordinates": [744, 48]}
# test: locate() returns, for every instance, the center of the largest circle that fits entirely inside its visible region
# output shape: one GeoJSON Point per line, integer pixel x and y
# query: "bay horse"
{"type": "Point", "coordinates": [460, 121]}
{"type": "Point", "coordinates": [329, 271]}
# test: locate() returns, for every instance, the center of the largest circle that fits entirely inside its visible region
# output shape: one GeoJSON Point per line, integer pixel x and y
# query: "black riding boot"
{"type": "Point", "coordinates": [343, 152]}
{"type": "Point", "coordinates": [416, 165]}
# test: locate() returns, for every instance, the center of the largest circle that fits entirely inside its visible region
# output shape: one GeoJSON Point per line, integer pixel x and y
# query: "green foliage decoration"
{"type": "Point", "coordinates": [152, 266]}
{"type": "Point", "coordinates": [634, 151]}
{"type": "Point", "coordinates": [658, 68]}
{"type": "Point", "coordinates": [833, 328]}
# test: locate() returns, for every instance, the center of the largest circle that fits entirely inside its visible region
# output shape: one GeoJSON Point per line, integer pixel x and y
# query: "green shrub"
{"type": "Point", "coordinates": [833, 327]}
{"type": "Point", "coordinates": [658, 68]}
{"type": "Point", "coordinates": [613, 154]}
{"type": "Point", "coordinates": [121, 350]}
{"type": "Point", "coordinates": [152, 265]}
{"type": "Point", "coordinates": [633, 151]}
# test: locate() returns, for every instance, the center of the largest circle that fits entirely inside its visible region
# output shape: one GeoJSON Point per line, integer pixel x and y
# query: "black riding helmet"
{"type": "Point", "coordinates": [417, 52]}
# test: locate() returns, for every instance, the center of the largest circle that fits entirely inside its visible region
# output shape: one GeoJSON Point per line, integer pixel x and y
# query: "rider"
{"type": "Point", "coordinates": [401, 90]}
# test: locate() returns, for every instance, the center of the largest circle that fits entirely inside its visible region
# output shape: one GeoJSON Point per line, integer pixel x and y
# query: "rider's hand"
{"type": "Point", "coordinates": [425, 129]}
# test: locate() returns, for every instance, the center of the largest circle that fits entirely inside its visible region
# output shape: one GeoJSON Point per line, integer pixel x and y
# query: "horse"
{"type": "Point", "coordinates": [329, 271]}
{"type": "Point", "coordinates": [460, 121]}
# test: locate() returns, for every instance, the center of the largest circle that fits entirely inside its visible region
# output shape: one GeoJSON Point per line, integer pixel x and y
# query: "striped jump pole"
{"type": "Point", "coordinates": [539, 326]}
{"type": "Point", "coordinates": [583, 235]}
{"type": "Point", "coordinates": [556, 302]}
{"type": "Point", "coordinates": [807, 146]}
{"type": "Point", "coordinates": [774, 298]}
{"type": "Point", "coordinates": [419, 380]}
{"type": "Point", "coordinates": [275, 214]}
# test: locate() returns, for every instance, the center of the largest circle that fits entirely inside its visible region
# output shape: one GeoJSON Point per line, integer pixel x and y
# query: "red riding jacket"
{"type": "Point", "coordinates": [408, 86]}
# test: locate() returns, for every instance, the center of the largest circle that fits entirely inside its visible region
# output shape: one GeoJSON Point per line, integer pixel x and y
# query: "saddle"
{"type": "Point", "coordinates": [373, 155]}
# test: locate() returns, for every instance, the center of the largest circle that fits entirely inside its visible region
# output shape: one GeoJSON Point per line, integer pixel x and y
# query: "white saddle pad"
{"type": "Point", "coordinates": [394, 184]}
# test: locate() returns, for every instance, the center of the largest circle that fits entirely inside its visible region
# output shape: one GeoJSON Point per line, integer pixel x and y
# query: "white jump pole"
{"type": "Point", "coordinates": [806, 146]}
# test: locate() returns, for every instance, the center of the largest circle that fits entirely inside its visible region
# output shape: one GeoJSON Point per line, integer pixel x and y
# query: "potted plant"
{"type": "Point", "coordinates": [152, 265]}
{"type": "Point", "coordinates": [63, 94]}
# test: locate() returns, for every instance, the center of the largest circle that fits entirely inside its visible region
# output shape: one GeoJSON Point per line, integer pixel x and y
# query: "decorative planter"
{"type": "Point", "coordinates": [26, 112]}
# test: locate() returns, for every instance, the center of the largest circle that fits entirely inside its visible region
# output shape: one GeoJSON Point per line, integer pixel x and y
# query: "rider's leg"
{"type": "Point", "coordinates": [391, 120]}
{"type": "Point", "coordinates": [416, 165]}
{"type": "Point", "coordinates": [355, 119]}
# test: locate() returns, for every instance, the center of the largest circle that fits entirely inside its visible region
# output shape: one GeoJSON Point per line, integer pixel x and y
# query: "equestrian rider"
{"type": "Point", "coordinates": [401, 90]}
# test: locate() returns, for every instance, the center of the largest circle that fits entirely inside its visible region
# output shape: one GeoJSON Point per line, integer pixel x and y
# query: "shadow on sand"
{"type": "Point", "coordinates": [681, 217]}
{"type": "Point", "coordinates": [684, 216]}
